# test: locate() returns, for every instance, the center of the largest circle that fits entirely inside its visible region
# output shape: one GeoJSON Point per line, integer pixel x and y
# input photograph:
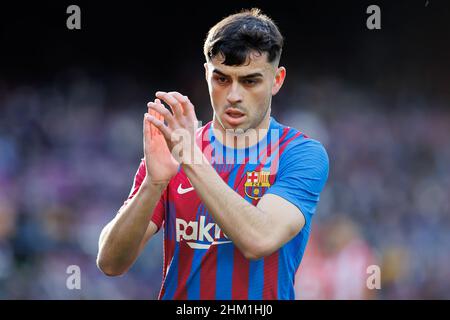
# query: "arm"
{"type": "Point", "coordinates": [122, 240]}
{"type": "Point", "coordinates": [256, 231]}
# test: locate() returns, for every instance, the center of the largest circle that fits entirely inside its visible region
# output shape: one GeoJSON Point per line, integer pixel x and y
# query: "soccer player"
{"type": "Point", "coordinates": [235, 197]}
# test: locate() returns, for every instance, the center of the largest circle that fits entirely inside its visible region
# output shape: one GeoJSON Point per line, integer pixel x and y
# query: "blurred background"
{"type": "Point", "coordinates": [71, 106]}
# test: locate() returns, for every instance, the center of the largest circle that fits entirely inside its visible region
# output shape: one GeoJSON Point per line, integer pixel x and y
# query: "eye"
{"type": "Point", "coordinates": [221, 80]}
{"type": "Point", "coordinates": [250, 82]}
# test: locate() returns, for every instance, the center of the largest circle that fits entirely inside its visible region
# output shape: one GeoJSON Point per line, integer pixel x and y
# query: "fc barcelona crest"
{"type": "Point", "coordinates": [257, 184]}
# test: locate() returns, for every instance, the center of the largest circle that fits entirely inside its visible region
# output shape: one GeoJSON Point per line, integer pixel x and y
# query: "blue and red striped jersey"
{"type": "Point", "coordinates": [200, 262]}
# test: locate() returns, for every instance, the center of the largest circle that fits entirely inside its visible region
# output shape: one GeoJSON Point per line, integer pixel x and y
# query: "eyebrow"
{"type": "Point", "coordinates": [251, 75]}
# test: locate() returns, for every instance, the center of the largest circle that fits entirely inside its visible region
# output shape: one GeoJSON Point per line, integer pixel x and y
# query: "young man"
{"type": "Point", "coordinates": [236, 196]}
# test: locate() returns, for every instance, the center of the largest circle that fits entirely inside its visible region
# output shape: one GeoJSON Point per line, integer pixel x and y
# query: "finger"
{"type": "Point", "coordinates": [157, 115]}
{"type": "Point", "coordinates": [159, 124]}
{"type": "Point", "coordinates": [174, 104]}
{"type": "Point", "coordinates": [153, 129]}
{"type": "Point", "coordinates": [187, 106]}
{"type": "Point", "coordinates": [160, 118]}
{"type": "Point", "coordinates": [159, 108]}
{"type": "Point", "coordinates": [147, 127]}
{"type": "Point", "coordinates": [147, 123]}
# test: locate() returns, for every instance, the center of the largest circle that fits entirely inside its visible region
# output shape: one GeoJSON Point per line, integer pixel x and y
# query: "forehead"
{"type": "Point", "coordinates": [255, 63]}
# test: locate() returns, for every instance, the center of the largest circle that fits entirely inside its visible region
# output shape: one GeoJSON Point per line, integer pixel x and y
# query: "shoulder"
{"type": "Point", "coordinates": [299, 151]}
{"type": "Point", "coordinates": [306, 147]}
{"type": "Point", "coordinates": [295, 143]}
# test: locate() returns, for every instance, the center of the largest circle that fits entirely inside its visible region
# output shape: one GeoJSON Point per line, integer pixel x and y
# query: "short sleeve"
{"type": "Point", "coordinates": [159, 211]}
{"type": "Point", "coordinates": [302, 175]}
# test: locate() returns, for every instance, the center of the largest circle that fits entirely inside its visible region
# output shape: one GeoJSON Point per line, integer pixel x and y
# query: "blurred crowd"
{"type": "Point", "coordinates": [68, 155]}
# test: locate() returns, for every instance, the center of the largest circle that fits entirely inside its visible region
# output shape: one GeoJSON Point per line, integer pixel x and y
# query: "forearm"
{"type": "Point", "coordinates": [120, 240]}
{"type": "Point", "coordinates": [246, 225]}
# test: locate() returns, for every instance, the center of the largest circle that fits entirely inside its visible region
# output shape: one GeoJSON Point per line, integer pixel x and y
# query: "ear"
{"type": "Point", "coordinates": [280, 75]}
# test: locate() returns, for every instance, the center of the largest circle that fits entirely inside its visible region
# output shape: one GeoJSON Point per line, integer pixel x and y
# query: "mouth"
{"type": "Point", "coordinates": [234, 113]}
{"type": "Point", "coordinates": [234, 116]}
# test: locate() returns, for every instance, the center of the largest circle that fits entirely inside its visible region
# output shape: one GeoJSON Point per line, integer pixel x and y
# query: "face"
{"type": "Point", "coordinates": [241, 95]}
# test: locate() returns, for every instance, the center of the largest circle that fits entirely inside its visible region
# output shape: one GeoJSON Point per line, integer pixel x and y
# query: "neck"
{"type": "Point", "coordinates": [238, 139]}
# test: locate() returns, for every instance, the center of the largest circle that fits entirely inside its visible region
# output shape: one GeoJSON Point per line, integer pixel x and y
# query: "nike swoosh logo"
{"type": "Point", "coordinates": [206, 246]}
{"type": "Point", "coordinates": [181, 190]}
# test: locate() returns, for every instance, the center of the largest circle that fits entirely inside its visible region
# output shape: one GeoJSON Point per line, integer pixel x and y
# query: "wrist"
{"type": "Point", "coordinates": [196, 159]}
{"type": "Point", "coordinates": [150, 184]}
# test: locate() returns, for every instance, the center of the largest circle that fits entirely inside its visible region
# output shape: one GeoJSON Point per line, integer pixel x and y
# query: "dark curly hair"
{"type": "Point", "coordinates": [235, 36]}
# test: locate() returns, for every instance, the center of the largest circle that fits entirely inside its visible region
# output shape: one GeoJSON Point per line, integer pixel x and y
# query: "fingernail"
{"type": "Point", "coordinates": [150, 117]}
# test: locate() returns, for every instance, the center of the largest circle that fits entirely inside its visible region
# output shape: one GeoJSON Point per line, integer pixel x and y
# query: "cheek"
{"type": "Point", "coordinates": [217, 96]}
{"type": "Point", "coordinates": [261, 98]}
{"type": "Point", "coordinates": [260, 103]}
{"type": "Point", "coordinates": [219, 92]}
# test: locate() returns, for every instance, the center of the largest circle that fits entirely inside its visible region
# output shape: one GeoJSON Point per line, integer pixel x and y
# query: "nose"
{"type": "Point", "coordinates": [234, 95]}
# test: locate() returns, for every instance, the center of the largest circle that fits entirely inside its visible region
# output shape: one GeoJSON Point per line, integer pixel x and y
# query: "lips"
{"type": "Point", "coordinates": [234, 113]}
{"type": "Point", "coordinates": [234, 117]}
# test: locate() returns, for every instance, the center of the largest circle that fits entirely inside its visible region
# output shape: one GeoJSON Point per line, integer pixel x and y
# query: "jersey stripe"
{"type": "Point", "coordinates": [256, 280]}
{"type": "Point", "coordinates": [193, 282]}
{"type": "Point", "coordinates": [270, 290]}
{"type": "Point", "coordinates": [170, 219]}
{"type": "Point", "coordinates": [285, 283]}
{"type": "Point", "coordinates": [170, 283]}
{"type": "Point", "coordinates": [240, 276]}
{"type": "Point", "coordinates": [208, 273]}
{"type": "Point", "coordinates": [185, 260]}
{"type": "Point", "coordinates": [225, 262]}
